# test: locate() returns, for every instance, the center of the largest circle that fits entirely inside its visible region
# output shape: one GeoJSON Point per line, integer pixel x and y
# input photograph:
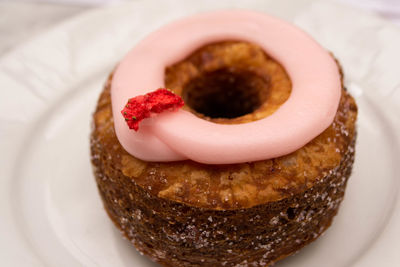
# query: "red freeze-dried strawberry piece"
{"type": "Point", "coordinates": [144, 106]}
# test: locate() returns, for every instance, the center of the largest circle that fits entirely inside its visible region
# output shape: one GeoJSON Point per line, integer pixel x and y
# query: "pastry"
{"type": "Point", "coordinates": [255, 164]}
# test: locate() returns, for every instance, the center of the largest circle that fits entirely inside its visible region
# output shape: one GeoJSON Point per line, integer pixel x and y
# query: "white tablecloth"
{"type": "Point", "coordinates": [20, 20]}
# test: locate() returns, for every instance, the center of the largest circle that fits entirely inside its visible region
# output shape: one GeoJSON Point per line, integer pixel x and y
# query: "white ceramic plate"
{"type": "Point", "coordinates": [51, 212]}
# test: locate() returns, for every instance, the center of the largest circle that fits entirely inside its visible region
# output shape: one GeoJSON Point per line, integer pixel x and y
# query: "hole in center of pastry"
{"type": "Point", "coordinates": [229, 82]}
{"type": "Point", "coordinates": [225, 93]}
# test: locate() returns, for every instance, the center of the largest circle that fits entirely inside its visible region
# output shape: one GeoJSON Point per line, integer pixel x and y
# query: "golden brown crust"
{"type": "Point", "coordinates": [190, 214]}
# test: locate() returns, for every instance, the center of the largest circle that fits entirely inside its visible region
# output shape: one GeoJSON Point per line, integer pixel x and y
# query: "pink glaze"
{"type": "Point", "coordinates": [180, 135]}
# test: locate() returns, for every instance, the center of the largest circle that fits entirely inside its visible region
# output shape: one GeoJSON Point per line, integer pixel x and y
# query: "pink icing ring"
{"type": "Point", "coordinates": [181, 135]}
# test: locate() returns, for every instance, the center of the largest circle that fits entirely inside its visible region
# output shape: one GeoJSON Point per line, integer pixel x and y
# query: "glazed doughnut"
{"type": "Point", "coordinates": [224, 206]}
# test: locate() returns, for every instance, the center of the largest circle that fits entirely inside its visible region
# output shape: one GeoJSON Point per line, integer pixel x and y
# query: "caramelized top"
{"type": "Point", "coordinates": [231, 186]}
